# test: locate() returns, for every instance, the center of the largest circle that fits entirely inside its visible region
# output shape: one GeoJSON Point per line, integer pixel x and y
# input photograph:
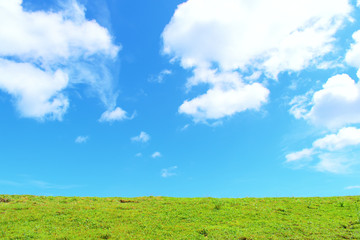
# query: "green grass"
{"type": "Point", "coordinates": [33, 217]}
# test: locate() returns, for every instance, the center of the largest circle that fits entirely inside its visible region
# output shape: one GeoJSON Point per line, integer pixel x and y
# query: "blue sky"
{"type": "Point", "coordinates": [197, 98]}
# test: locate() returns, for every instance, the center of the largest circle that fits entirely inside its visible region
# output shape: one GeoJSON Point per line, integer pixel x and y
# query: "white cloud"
{"type": "Point", "coordinates": [349, 136]}
{"type": "Point", "coordinates": [254, 76]}
{"type": "Point", "coordinates": [168, 172]}
{"type": "Point", "coordinates": [143, 137]}
{"type": "Point", "coordinates": [299, 105]}
{"type": "Point", "coordinates": [303, 154]}
{"type": "Point", "coordinates": [138, 155]}
{"type": "Point", "coordinates": [38, 93]}
{"type": "Point", "coordinates": [48, 36]}
{"type": "Point", "coordinates": [330, 64]}
{"type": "Point", "coordinates": [38, 184]}
{"type": "Point", "coordinates": [217, 103]}
{"type": "Point", "coordinates": [156, 155]}
{"type": "Point", "coordinates": [333, 163]}
{"type": "Point", "coordinates": [113, 115]}
{"type": "Point", "coordinates": [46, 185]}
{"type": "Point", "coordinates": [227, 95]}
{"type": "Point", "coordinates": [81, 139]}
{"type": "Point", "coordinates": [287, 36]}
{"type": "Point", "coordinates": [186, 126]}
{"type": "Point", "coordinates": [43, 53]}
{"type": "Point", "coordinates": [335, 105]}
{"type": "Point", "coordinates": [332, 151]}
{"type": "Point", "coordinates": [353, 55]}
{"type": "Point", "coordinates": [352, 187]}
{"type": "Point", "coordinates": [252, 37]}
{"type": "Point", "coordinates": [160, 77]}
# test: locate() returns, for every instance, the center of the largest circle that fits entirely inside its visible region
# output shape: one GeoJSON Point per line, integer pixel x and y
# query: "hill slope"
{"type": "Point", "coordinates": [33, 217]}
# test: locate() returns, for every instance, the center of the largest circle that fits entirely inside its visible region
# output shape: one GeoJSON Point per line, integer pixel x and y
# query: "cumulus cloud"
{"type": "Point", "coordinates": [335, 105]}
{"type": "Point", "coordinates": [226, 96]}
{"type": "Point", "coordinates": [287, 36]}
{"type": "Point", "coordinates": [168, 172]}
{"type": "Point", "coordinates": [156, 155]}
{"type": "Point", "coordinates": [43, 53]}
{"type": "Point", "coordinates": [113, 115]}
{"type": "Point", "coordinates": [230, 36]}
{"type": "Point", "coordinates": [333, 151]}
{"type": "Point", "coordinates": [50, 36]}
{"type": "Point", "coordinates": [143, 137]}
{"type": "Point", "coordinates": [349, 136]}
{"type": "Point", "coordinates": [81, 139]}
{"type": "Point", "coordinates": [37, 93]}
{"type": "Point", "coordinates": [353, 55]}
{"type": "Point", "coordinates": [338, 102]}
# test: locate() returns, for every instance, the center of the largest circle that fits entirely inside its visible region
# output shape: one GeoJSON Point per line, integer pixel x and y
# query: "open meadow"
{"type": "Point", "coordinates": [37, 217]}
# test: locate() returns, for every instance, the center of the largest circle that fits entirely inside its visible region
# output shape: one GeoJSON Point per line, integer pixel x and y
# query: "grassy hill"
{"type": "Point", "coordinates": [34, 217]}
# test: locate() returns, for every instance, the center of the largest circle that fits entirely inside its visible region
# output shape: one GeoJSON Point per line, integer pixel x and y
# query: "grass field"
{"type": "Point", "coordinates": [34, 217]}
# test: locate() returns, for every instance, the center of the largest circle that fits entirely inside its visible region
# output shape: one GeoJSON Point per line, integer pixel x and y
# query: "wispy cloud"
{"type": "Point", "coordinates": [168, 172]}
{"type": "Point", "coordinates": [156, 155]}
{"type": "Point", "coordinates": [352, 187]}
{"type": "Point", "coordinates": [46, 185]}
{"type": "Point", "coordinates": [81, 139]}
{"type": "Point", "coordinates": [186, 126]}
{"type": "Point", "coordinates": [37, 184]}
{"type": "Point", "coordinates": [10, 183]}
{"type": "Point", "coordinates": [160, 77]}
{"type": "Point", "coordinates": [303, 154]}
{"type": "Point", "coordinates": [143, 137]}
